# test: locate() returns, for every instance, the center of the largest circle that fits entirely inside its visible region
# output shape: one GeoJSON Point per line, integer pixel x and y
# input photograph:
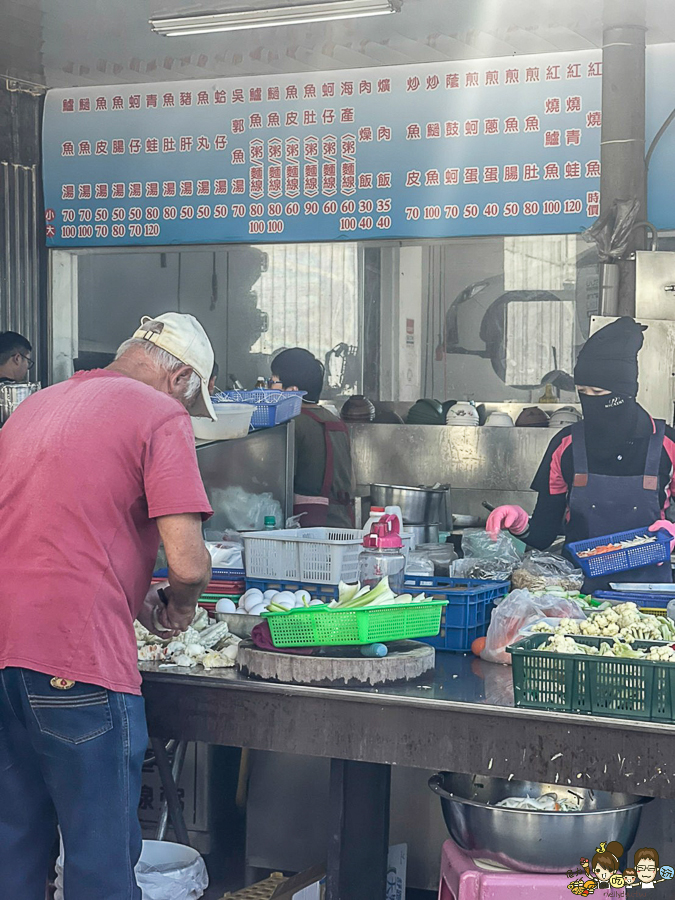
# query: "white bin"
{"type": "Point", "coordinates": [165, 871]}
{"type": "Point", "coordinates": [233, 422]}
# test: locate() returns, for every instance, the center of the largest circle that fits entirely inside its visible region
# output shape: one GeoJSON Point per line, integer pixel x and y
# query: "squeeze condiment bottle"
{"type": "Point", "coordinates": [382, 555]}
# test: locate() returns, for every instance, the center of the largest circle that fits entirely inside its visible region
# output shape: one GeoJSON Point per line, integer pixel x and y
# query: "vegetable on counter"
{"type": "Point", "coordinates": [356, 597]}
{"type": "Point", "coordinates": [624, 621]}
{"type": "Point", "coordinates": [622, 545]}
{"type": "Point", "coordinates": [560, 643]}
{"type": "Point", "coordinates": [205, 643]}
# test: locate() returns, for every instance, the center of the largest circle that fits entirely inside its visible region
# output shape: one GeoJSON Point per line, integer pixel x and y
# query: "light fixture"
{"type": "Point", "coordinates": [267, 17]}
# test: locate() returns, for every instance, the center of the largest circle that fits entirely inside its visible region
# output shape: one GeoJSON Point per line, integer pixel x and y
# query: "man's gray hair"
{"type": "Point", "coordinates": [164, 360]}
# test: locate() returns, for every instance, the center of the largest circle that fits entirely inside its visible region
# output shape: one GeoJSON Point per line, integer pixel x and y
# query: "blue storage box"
{"type": "Point", "coordinates": [271, 407]}
{"type": "Point", "coordinates": [621, 560]}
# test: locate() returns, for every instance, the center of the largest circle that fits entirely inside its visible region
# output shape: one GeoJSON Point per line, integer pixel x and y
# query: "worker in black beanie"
{"type": "Point", "coordinates": [609, 473]}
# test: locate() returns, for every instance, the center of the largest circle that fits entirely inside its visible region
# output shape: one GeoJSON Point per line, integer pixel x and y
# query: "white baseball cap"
{"type": "Point", "coordinates": [183, 336]}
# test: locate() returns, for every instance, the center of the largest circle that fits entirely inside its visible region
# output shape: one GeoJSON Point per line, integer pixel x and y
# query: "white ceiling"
{"type": "Point", "coordinates": [61, 43]}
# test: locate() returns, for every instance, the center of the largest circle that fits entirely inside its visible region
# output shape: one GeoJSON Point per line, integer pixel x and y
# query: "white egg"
{"type": "Point", "coordinates": [253, 599]}
{"type": "Point", "coordinates": [253, 592]}
{"type": "Point", "coordinates": [225, 605]}
{"type": "Point", "coordinates": [257, 610]}
{"type": "Point", "coordinates": [270, 595]}
{"type": "Point", "coordinates": [302, 597]}
{"type": "Point", "coordinates": [286, 597]}
{"type": "Point", "coordinates": [316, 602]}
{"type": "Point", "coordinates": [241, 610]}
{"type": "Point", "coordinates": [285, 604]}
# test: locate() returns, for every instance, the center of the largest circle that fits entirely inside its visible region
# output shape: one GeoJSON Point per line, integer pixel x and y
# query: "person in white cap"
{"type": "Point", "coordinates": [95, 471]}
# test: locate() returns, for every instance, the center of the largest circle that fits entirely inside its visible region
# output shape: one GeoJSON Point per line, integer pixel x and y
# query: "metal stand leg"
{"type": "Point", "coordinates": [176, 769]}
{"type": "Point", "coordinates": [359, 830]}
{"type": "Point", "coordinates": [166, 776]}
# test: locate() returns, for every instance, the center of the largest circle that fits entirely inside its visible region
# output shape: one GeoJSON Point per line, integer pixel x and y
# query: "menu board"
{"type": "Point", "coordinates": [500, 146]}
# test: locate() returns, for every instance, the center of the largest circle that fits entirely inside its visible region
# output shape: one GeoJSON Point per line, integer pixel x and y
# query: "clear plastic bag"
{"type": "Point", "coordinates": [441, 557]}
{"type": "Point", "coordinates": [519, 609]}
{"type": "Point", "coordinates": [542, 569]}
{"type": "Point", "coordinates": [247, 512]}
{"type": "Point", "coordinates": [490, 569]}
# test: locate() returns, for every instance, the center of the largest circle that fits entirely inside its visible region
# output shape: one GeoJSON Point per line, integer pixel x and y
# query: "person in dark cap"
{"type": "Point", "coordinates": [611, 472]}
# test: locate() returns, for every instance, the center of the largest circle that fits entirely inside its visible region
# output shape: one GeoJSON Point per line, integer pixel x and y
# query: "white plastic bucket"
{"type": "Point", "coordinates": [165, 871]}
{"type": "Point", "coordinates": [233, 422]}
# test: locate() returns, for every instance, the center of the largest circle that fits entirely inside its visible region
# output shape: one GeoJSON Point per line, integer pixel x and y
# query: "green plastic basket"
{"type": "Point", "coordinates": [319, 626]}
{"type": "Point", "coordinates": [597, 685]}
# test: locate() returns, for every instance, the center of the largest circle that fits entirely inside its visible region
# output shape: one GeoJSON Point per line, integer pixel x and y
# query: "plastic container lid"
{"type": "Point", "coordinates": [384, 535]}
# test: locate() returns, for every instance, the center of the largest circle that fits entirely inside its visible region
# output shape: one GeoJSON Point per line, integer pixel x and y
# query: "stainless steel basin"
{"type": "Point", "coordinates": [419, 506]}
{"type": "Point", "coordinates": [532, 841]}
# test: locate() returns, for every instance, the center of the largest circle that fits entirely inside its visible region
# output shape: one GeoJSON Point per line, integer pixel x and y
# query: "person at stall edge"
{"type": "Point", "coordinates": [324, 481]}
{"type": "Point", "coordinates": [611, 472]}
{"type": "Point", "coordinates": [95, 470]}
{"type": "Point", "coordinates": [15, 358]}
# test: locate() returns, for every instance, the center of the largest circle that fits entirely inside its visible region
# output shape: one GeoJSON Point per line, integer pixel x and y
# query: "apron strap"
{"type": "Point", "coordinates": [329, 471]}
{"type": "Point", "coordinates": [579, 456]}
{"type": "Point", "coordinates": [650, 482]}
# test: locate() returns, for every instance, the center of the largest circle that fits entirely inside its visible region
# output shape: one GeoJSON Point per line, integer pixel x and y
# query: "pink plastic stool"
{"type": "Point", "coordinates": [462, 880]}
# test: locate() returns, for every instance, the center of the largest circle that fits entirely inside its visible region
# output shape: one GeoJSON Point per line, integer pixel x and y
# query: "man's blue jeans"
{"type": "Point", "coordinates": [73, 756]}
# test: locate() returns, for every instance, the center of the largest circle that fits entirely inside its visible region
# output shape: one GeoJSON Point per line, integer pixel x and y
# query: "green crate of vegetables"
{"type": "Point", "coordinates": [360, 616]}
{"type": "Point", "coordinates": [604, 677]}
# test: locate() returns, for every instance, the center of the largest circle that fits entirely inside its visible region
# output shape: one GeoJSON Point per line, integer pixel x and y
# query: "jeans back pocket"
{"type": "Point", "coordinates": [74, 715]}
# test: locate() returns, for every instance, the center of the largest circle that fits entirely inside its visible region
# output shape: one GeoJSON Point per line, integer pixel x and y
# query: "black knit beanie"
{"type": "Point", "coordinates": [608, 359]}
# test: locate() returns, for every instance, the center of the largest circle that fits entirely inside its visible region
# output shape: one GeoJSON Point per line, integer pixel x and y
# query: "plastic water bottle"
{"type": "Point", "coordinates": [376, 513]}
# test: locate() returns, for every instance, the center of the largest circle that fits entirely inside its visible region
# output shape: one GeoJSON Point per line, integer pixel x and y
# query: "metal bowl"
{"type": "Point", "coordinates": [239, 625]}
{"type": "Point", "coordinates": [418, 505]}
{"type": "Point", "coordinates": [532, 841]}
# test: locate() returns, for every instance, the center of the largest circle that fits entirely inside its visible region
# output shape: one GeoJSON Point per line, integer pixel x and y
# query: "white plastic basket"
{"type": "Point", "coordinates": [312, 555]}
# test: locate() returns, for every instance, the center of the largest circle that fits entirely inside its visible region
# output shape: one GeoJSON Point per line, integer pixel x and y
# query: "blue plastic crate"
{"type": "Point", "coordinates": [621, 560]}
{"type": "Point", "coordinates": [467, 615]}
{"type": "Point", "coordinates": [217, 574]}
{"type": "Point", "coordinates": [271, 407]}
{"type": "Point", "coordinates": [325, 592]}
{"type": "Point", "coordinates": [646, 601]}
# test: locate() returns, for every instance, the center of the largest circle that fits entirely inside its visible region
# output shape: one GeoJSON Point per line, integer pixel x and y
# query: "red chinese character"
{"type": "Point", "coordinates": [84, 104]}
{"type": "Point", "coordinates": [532, 123]}
{"type": "Point", "coordinates": [50, 231]}
{"type": "Point", "coordinates": [552, 139]}
{"type": "Point", "coordinates": [255, 94]}
{"type": "Point", "coordinates": [309, 117]}
{"type": "Point", "coordinates": [551, 171]}
{"type": "Point", "coordinates": [433, 130]}
{"type": "Point", "coordinates": [471, 175]}
{"type": "Point", "coordinates": [594, 69]}
{"type": "Point", "coordinates": [273, 120]}
{"type": "Point", "coordinates": [492, 77]}
{"type": "Point", "coordinates": [151, 145]}
{"type": "Point", "coordinates": [186, 189]}
{"type": "Point", "coordinates": [134, 101]}
{"type": "Point", "coordinates": [84, 148]}
{"type": "Point", "coordinates": [365, 181]}
{"type": "Point", "coordinates": [347, 89]}
{"type": "Point", "coordinates": [68, 148]}
{"type": "Point", "coordinates": [203, 188]}
{"type": "Point", "coordinates": [238, 95]}
{"type": "Point", "coordinates": [573, 104]}
{"type": "Point", "coordinates": [451, 176]}
{"type": "Point", "coordinates": [328, 89]}
{"type": "Point", "coordinates": [491, 173]}
{"type": "Point", "coordinates": [348, 145]}
{"type": "Point", "coordinates": [413, 179]}
{"type": "Point", "coordinates": [202, 98]}
{"type": "Point", "coordinates": [383, 133]}
{"type": "Point", "coordinates": [101, 148]}
{"type": "Point", "coordinates": [238, 157]}
{"type": "Point", "coordinates": [413, 84]}
{"type": "Point", "coordinates": [491, 126]}
{"type": "Point", "coordinates": [511, 125]}
{"type": "Point", "coordinates": [365, 87]}
{"type": "Point", "coordinates": [220, 186]}
{"type": "Point", "coordinates": [413, 132]}
{"type": "Point", "coordinates": [135, 145]}
{"type": "Point", "coordinates": [530, 172]}
{"type": "Point", "coordinates": [292, 118]}
{"type": "Point", "coordinates": [572, 137]}
{"type": "Point", "coordinates": [238, 185]}
{"type": "Point", "coordinates": [433, 82]}
{"type": "Point", "coordinates": [593, 168]}
{"type": "Point", "coordinates": [592, 196]}
{"type": "Point", "coordinates": [574, 70]}
{"type": "Point", "coordinates": [471, 127]}
{"type": "Point", "coordinates": [347, 115]}
{"type": "Point", "coordinates": [472, 79]}
{"type": "Point", "coordinates": [84, 192]}
{"type": "Point", "coordinates": [67, 191]}
{"type": "Point", "coordinates": [291, 92]}
{"type": "Point", "coordinates": [118, 102]}
{"type": "Point", "coordinates": [273, 93]}
{"type": "Point", "coordinates": [169, 189]}
{"type": "Point", "coordinates": [101, 192]}
{"type": "Point", "coordinates": [593, 119]}
{"type": "Point", "coordinates": [135, 189]}
{"type": "Point", "coordinates": [255, 120]}
{"type": "Point", "coordinates": [552, 106]}
{"type": "Point", "coordinates": [310, 92]}
{"type": "Point", "coordinates": [220, 96]}
{"type": "Point", "coordinates": [452, 80]}
{"type": "Point", "coordinates": [511, 173]}
{"type": "Point", "coordinates": [151, 101]}
{"type": "Point", "coordinates": [532, 75]}
{"type": "Point", "coordinates": [256, 150]}
{"type": "Point", "coordinates": [152, 188]}
{"type": "Point", "coordinates": [513, 76]}
{"type": "Point", "coordinates": [118, 146]}
{"type": "Point", "coordinates": [572, 169]}
{"type": "Point", "coordinates": [238, 126]}
{"type": "Point", "coordinates": [185, 98]}
{"type": "Point", "coordinates": [452, 129]}
{"type": "Point", "coordinates": [168, 100]}
{"type": "Point", "coordinates": [118, 190]}
{"type": "Point", "coordinates": [203, 143]}
{"type": "Point", "coordinates": [384, 180]}
{"type": "Point", "coordinates": [432, 178]}
{"type": "Point", "coordinates": [553, 73]}
{"type": "Point", "coordinates": [168, 145]}
{"type": "Point", "coordinates": [384, 86]}
{"type": "Point", "coordinates": [101, 104]}
{"type": "Point", "coordinates": [68, 105]}
{"type": "Point", "coordinates": [328, 116]}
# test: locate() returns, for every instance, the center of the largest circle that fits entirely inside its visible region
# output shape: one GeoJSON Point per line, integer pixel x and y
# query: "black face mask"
{"type": "Point", "coordinates": [610, 422]}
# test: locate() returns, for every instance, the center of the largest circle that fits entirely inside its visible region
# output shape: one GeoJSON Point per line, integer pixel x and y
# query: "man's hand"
{"type": "Point", "coordinates": [166, 621]}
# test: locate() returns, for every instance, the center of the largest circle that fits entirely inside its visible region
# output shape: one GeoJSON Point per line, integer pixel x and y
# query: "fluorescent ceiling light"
{"type": "Point", "coordinates": [267, 17]}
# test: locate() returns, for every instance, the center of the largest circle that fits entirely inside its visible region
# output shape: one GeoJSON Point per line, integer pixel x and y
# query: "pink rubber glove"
{"type": "Point", "coordinates": [665, 525]}
{"type": "Point", "coordinates": [507, 518]}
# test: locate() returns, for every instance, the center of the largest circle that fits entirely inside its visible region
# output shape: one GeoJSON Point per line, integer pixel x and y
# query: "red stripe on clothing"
{"type": "Point", "coordinates": [556, 482]}
{"type": "Point", "coordinates": [669, 447]}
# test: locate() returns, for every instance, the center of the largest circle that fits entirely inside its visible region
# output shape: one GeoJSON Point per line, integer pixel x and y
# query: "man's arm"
{"type": "Point", "coordinates": [189, 565]}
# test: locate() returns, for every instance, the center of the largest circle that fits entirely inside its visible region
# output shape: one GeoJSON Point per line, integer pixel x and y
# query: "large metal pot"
{"type": "Point", "coordinates": [532, 841]}
{"type": "Point", "coordinates": [424, 534]}
{"type": "Point", "coordinates": [419, 506]}
{"type": "Point", "coordinates": [13, 394]}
